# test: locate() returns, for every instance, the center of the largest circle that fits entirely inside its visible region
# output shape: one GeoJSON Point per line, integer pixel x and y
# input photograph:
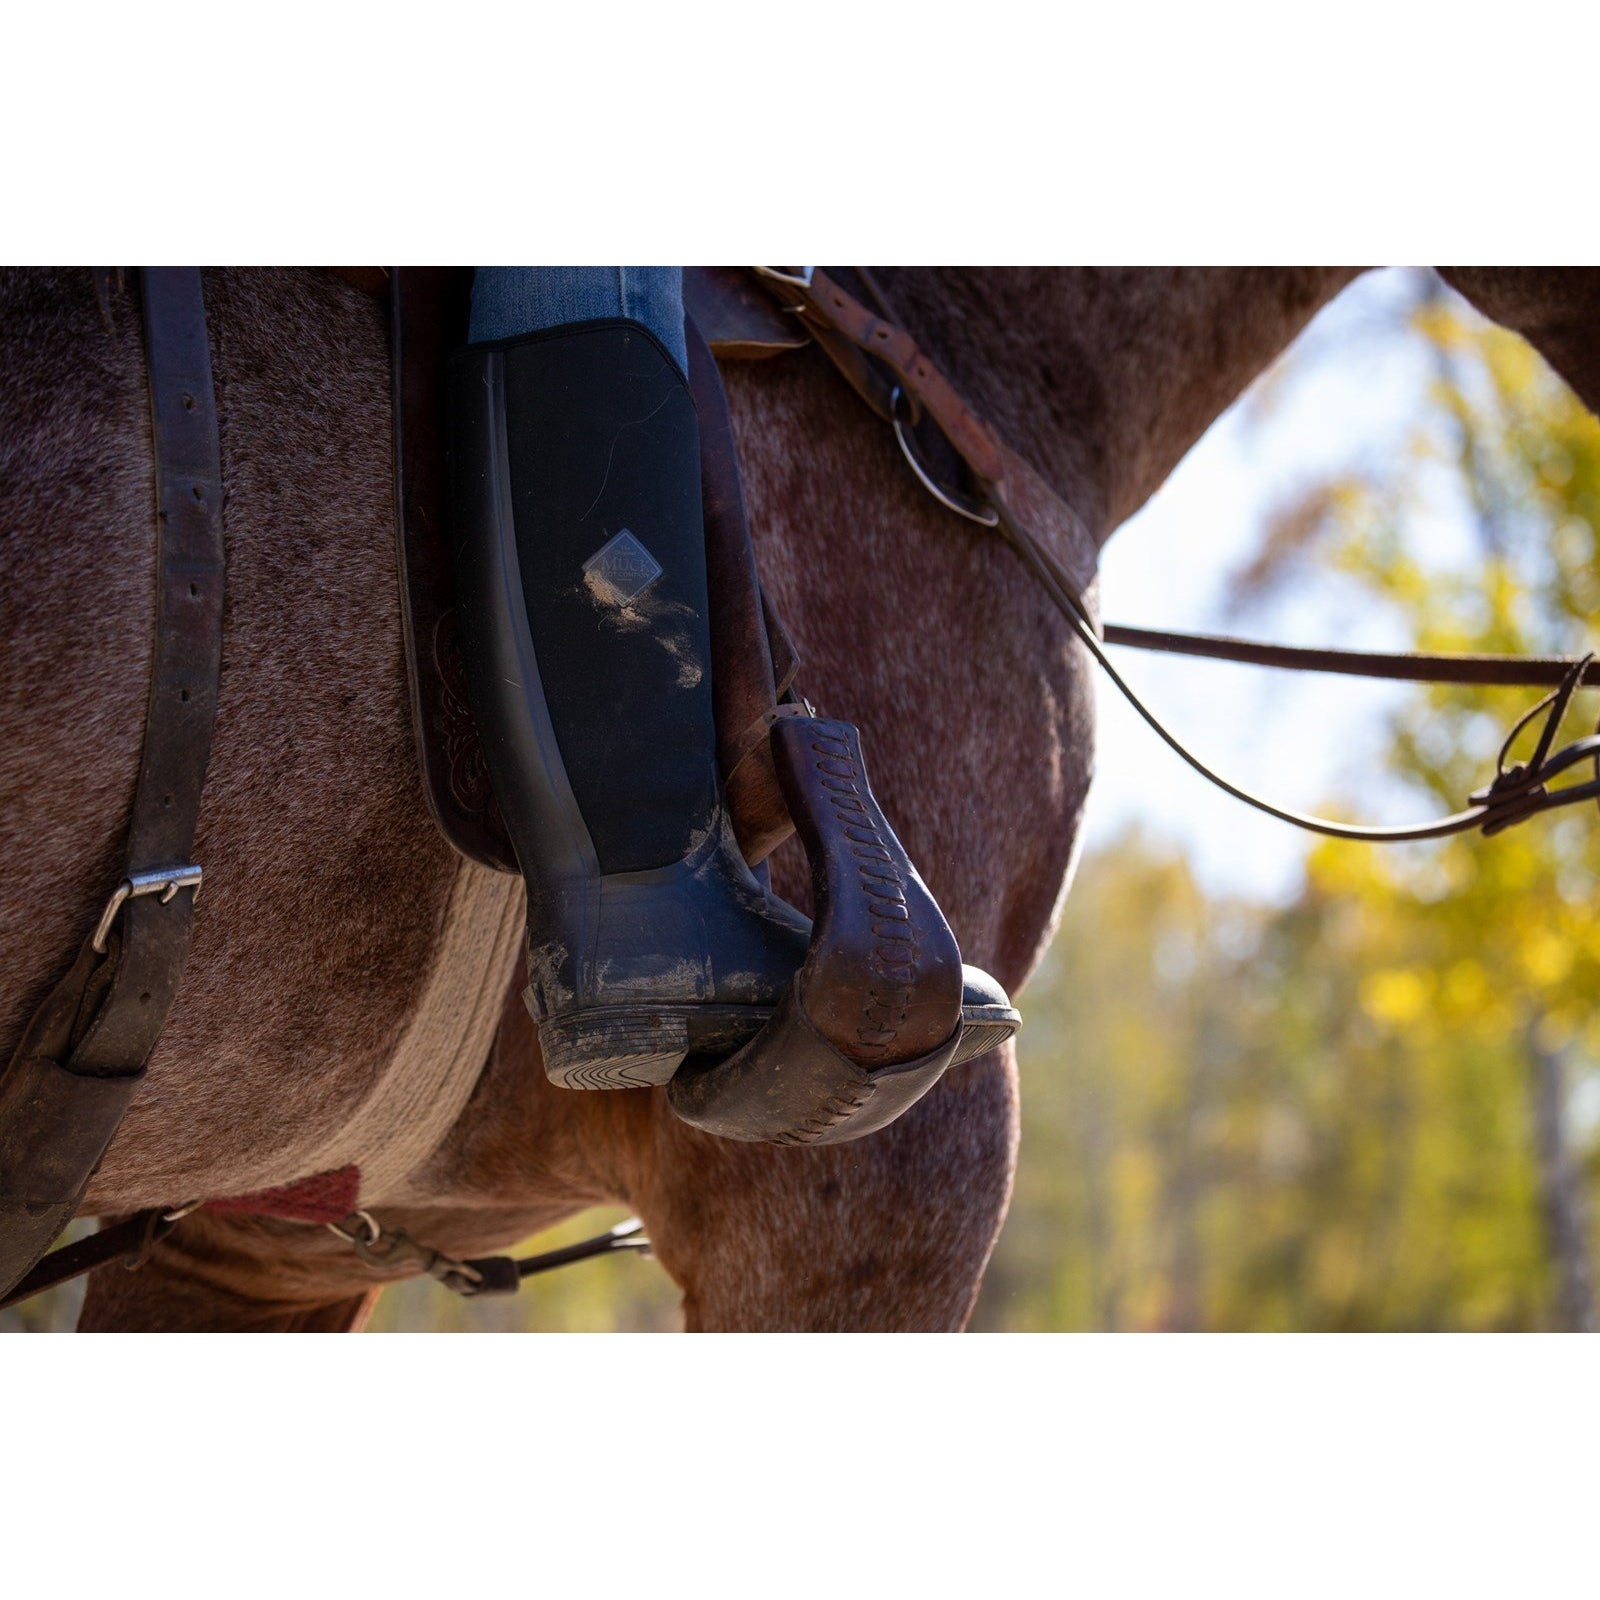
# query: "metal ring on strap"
{"type": "Point", "coordinates": [973, 510]}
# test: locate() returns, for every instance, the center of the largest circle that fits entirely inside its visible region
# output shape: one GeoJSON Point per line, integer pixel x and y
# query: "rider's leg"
{"type": "Point", "coordinates": [508, 302]}
{"type": "Point", "coordinates": [581, 571]}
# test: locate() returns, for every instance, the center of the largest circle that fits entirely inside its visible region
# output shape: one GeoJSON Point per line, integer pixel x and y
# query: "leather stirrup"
{"type": "Point", "coordinates": [874, 1015]}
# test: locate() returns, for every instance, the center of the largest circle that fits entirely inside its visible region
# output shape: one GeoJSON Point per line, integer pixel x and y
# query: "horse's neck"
{"type": "Point", "coordinates": [1106, 375]}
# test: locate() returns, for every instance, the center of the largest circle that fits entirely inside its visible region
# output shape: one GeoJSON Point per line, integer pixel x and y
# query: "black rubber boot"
{"type": "Point", "coordinates": [581, 578]}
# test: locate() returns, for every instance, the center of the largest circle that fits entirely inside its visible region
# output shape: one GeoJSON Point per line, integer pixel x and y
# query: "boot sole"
{"type": "Point", "coordinates": [638, 1047]}
{"type": "Point", "coordinates": [642, 1047]}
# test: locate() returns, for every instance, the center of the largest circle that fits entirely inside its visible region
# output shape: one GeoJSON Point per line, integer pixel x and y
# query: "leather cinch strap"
{"type": "Point", "coordinates": [83, 1054]}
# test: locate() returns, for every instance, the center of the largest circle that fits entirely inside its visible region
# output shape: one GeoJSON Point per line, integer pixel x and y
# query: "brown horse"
{"type": "Point", "coordinates": [348, 970]}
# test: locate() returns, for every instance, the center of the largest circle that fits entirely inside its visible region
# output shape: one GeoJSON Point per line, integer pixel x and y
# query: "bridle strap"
{"type": "Point", "coordinates": [1517, 791]}
{"type": "Point", "coordinates": [884, 365]}
{"type": "Point", "coordinates": [83, 1054]}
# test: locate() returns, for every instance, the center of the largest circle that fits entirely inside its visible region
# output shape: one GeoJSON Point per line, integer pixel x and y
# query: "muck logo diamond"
{"type": "Point", "coordinates": [623, 566]}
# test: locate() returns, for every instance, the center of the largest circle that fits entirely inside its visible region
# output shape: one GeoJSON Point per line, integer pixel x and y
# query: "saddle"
{"type": "Point", "coordinates": [754, 661]}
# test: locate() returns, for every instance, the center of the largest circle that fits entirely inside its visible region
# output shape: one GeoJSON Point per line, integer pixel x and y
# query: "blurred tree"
{"type": "Point", "coordinates": [1494, 949]}
{"type": "Point", "coordinates": [1375, 1107]}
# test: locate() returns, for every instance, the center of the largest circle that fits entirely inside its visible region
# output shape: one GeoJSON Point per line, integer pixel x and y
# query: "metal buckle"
{"type": "Point", "coordinates": [391, 1250]}
{"type": "Point", "coordinates": [793, 280]}
{"type": "Point", "coordinates": [164, 881]}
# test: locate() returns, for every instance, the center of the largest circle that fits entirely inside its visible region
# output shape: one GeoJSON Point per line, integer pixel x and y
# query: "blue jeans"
{"type": "Point", "coordinates": [510, 301]}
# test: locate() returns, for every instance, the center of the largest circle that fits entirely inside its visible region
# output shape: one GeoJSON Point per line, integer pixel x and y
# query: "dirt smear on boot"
{"type": "Point", "coordinates": [669, 622]}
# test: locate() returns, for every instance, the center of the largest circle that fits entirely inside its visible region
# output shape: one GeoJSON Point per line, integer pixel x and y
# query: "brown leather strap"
{"type": "Point", "coordinates": [84, 1052]}
{"type": "Point", "coordinates": [744, 673]}
{"type": "Point", "coordinates": [1058, 550]}
{"type": "Point", "coordinates": [858, 339]}
{"type": "Point", "coordinates": [883, 363]}
{"type": "Point", "coordinates": [1517, 791]}
{"type": "Point", "coordinates": [184, 674]}
{"type": "Point", "coordinates": [128, 1241]}
{"type": "Point", "coordinates": [824, 303]}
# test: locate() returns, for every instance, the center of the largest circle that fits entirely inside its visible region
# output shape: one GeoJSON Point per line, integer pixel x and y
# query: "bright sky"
{"type": "Point", "coordinates": [1295, 738]}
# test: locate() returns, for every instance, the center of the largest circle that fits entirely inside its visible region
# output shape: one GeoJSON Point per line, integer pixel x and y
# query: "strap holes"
{"type": "Point", "coordinates": [883, 333]}
{"type": "Point", "coordinates": [199, 491]}
{"type": "Point", "coordinates": [166, 799]}
{"type": "Point", "coordinates": [183, 695]}
{"type": "Point", "coordinates": [188, 402]}
{"type": "Point", "coordinates": [144, 999]}
{"type": "Point", "coordinates": [194, 589]}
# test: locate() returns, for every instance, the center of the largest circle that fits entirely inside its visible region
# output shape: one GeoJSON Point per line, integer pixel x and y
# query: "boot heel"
{"type": "Point", "coordinates": [613, 1049]}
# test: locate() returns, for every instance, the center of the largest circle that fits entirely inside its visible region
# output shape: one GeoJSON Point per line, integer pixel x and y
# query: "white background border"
{"type": "Point", "coordinates": [986, 132]}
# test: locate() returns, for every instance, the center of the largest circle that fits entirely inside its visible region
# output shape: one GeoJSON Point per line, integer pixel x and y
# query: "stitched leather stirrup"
{"type": "Point", "coordinates": [882, 1005]}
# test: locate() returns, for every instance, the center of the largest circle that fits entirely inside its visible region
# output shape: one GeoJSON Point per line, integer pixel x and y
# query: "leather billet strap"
{"type": "Point", "coordinates": [752, 659]}
{"type": "Point", "coordinates": [84, 1052]}
{"type": "Point", "coordinates": [184, 672]}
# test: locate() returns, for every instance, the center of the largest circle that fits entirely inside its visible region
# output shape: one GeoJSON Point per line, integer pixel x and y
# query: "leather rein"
{"type": "Point", "coordinates": [902, 386]}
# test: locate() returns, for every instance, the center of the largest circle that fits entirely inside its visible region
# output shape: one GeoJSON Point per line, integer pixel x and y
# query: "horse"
{"type": "Point", "coordinates": [351, 1001]}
